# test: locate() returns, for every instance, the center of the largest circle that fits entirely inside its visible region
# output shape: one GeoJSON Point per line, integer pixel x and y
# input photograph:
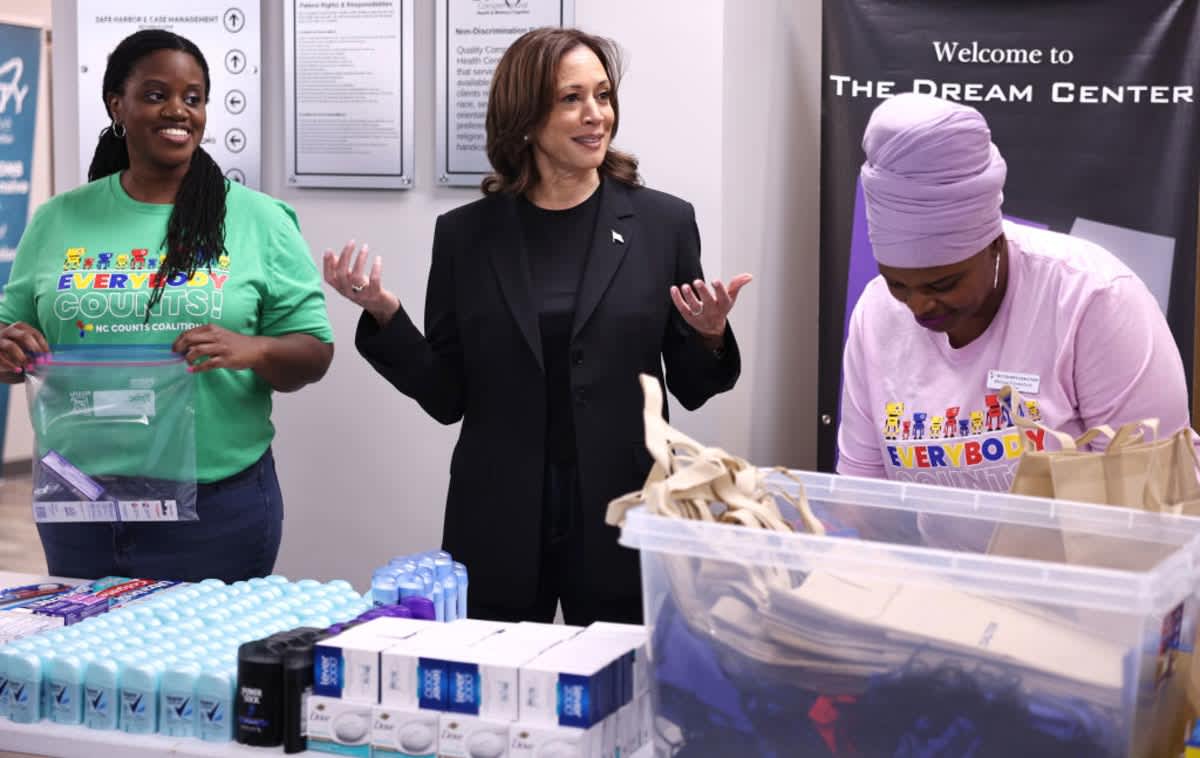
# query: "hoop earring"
{"type": "Point", "coordinates": [118, 126]}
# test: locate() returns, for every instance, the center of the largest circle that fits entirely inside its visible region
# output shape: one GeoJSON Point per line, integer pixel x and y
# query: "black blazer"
{"type": "Point", "coordinates": [480, 360]}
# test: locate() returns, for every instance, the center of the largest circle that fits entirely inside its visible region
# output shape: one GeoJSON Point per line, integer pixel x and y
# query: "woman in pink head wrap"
{"type": "Point", "coordinates": [966, 303]}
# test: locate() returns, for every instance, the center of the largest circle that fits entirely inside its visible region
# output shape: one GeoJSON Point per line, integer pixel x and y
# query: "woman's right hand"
{"type": "Point", "coordinates": [18, 343]}
{"type": "Point", "coordinates": [346, 274]}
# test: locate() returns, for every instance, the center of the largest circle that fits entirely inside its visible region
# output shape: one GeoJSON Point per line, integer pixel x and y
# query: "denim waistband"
{"type": "Point", "coordinates": [240, 477]}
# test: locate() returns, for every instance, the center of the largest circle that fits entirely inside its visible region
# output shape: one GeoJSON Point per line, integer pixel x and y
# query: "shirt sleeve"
{"type": "Point", "coordinates": [858, 434]}
{"type": "Point", "coordinates": [1127, 366]}
{"type": "Point", "coordinates": [19, 302]}
{"type": "Point", "coordinates": [693, 372]}
{"type": "Point", "coordinates": [295, 302]}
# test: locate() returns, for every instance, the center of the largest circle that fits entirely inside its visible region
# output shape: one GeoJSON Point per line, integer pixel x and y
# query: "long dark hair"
{"type": "Point", "coordinates": [522, 96]}
{"type": "Point", "coordinates": [196, 229]}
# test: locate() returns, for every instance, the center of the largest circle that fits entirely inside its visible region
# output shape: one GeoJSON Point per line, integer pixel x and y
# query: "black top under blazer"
{"type": "Point", "coordinates": [480, 360]}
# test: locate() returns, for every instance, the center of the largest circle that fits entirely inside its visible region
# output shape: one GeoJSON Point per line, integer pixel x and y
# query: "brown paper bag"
{"type": "Point", "coordinates": [1135, 470]}
{"type": "Point", "coordinates": [1154, 475]}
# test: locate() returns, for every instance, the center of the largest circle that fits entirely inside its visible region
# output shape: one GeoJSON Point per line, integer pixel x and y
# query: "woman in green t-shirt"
{"type": "Point", "coordinates": [159, 248]}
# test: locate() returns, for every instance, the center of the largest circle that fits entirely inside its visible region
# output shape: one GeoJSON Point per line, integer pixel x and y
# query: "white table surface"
{"type": "Point", "coordinates": [46, 738]}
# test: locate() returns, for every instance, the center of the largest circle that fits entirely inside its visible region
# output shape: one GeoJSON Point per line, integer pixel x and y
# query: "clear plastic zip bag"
{"type": "Point", "coordinates": [115, 430]}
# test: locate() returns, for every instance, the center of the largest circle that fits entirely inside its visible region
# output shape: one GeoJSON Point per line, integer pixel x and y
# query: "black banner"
{"type": "Point", "coordinates": [1093, 105]}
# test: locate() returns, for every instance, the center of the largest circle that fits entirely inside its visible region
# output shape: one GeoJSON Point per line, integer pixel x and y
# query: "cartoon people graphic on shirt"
{"type": "Point", "coordinates": [935, 427]}
{"type": "Point", "coordinates": [139, 258]}
{"type": "Point", "coordinates": [995, 414]}
{"type": "Point", "coordinates": [122, 261]}
{"type": "Point", "coordinates": [891, 424]}
{"type": "Point", "coordinates": [1035, 411]}
{"type": "Point", "coordinates": [951, 421]}
{"type": "Point", "coordinates": [104, 261]}
{"type": "Point", "coordinates": [74, 258]}
{"type": "Point", "coordinates": [223, 262]}
{"type": "Point", "coordinates": [919, 425]}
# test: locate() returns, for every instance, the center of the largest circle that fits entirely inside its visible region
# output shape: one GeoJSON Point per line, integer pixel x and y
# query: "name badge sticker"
{"type": "Point", "coordinates": [1026, 384]}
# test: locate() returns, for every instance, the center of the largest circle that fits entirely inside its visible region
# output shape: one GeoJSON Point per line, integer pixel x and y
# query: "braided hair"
{"type": "Point", "coordinates": [196, 229]}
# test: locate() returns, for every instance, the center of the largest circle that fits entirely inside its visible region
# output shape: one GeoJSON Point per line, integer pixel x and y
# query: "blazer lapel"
{"type": "Point", "coordinates": [511, 264]}
{"type": "Point", "coordinates": [611, 242]}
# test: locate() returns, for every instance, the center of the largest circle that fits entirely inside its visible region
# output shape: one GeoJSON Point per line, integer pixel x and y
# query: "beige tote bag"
{"type": "Point", "coordinates": [718, 597]}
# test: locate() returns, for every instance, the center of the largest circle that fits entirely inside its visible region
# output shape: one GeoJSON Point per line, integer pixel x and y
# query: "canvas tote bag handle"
{"type": "Point", "coordinates": [688, 479]}
{"type": "Point", "coordinates": [1127, 434]}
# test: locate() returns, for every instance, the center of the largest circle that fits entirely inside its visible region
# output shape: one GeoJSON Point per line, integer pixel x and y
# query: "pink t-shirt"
{"type": "Point", "coordinates": [1078, 333]}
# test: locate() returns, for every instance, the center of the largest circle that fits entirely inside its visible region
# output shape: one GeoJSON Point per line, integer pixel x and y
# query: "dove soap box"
{"type": "Point", "coordinates": [417, 672]}
{"type": "Point", "coordinates": [404, 733]}
{"type": "Point", "coordinates": [464, 736]}
{"type": "Point", "coordinates": [347, 666]}
{"type": "Point", "coordinates": [577, 683]}
{"type": "Point", "coordinates": [484, 679]}
{"type": "Point", "coordinates": [598, 741]}
{"type": "Point", "coordinates": [636, 638]}
{"type": "Point", "coordinates": [340, 727]}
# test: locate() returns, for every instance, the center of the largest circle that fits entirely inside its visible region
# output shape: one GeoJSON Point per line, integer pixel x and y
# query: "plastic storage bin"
{"type": "Point", "coordinates": [876, 640]}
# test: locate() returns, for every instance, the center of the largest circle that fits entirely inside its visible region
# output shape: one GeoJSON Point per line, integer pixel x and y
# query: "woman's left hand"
{"type": "Point", "coordinates": [210, 346]}
{"type": "Point", "coordinates": [707, 308]}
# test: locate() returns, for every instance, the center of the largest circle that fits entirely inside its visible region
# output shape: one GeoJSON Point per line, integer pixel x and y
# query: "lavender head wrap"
{"type": "Point", "coordinates": [933, 182]}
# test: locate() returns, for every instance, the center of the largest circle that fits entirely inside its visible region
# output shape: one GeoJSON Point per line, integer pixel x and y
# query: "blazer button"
{"type": "Point", "coordinates": [577, 357]}
{"type": "Point", "coordinates": [580, 396]}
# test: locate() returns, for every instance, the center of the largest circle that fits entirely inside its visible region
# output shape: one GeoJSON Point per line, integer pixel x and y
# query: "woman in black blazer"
{"type": "Point", "coordinates": [546, 299]}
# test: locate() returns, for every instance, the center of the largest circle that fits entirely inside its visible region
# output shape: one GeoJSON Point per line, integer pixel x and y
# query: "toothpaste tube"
{"type": "Point", "coordinates": [73, 608]}
{"type": "Point", "coordinates": [78, 482]}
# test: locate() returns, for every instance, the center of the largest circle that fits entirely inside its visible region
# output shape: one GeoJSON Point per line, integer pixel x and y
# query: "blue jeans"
{"type": "Point", "coordinates": [237, 536]}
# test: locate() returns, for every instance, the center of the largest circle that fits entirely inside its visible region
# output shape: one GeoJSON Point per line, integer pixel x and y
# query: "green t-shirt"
{"type": "Point", "coordinates": [82, 276]}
